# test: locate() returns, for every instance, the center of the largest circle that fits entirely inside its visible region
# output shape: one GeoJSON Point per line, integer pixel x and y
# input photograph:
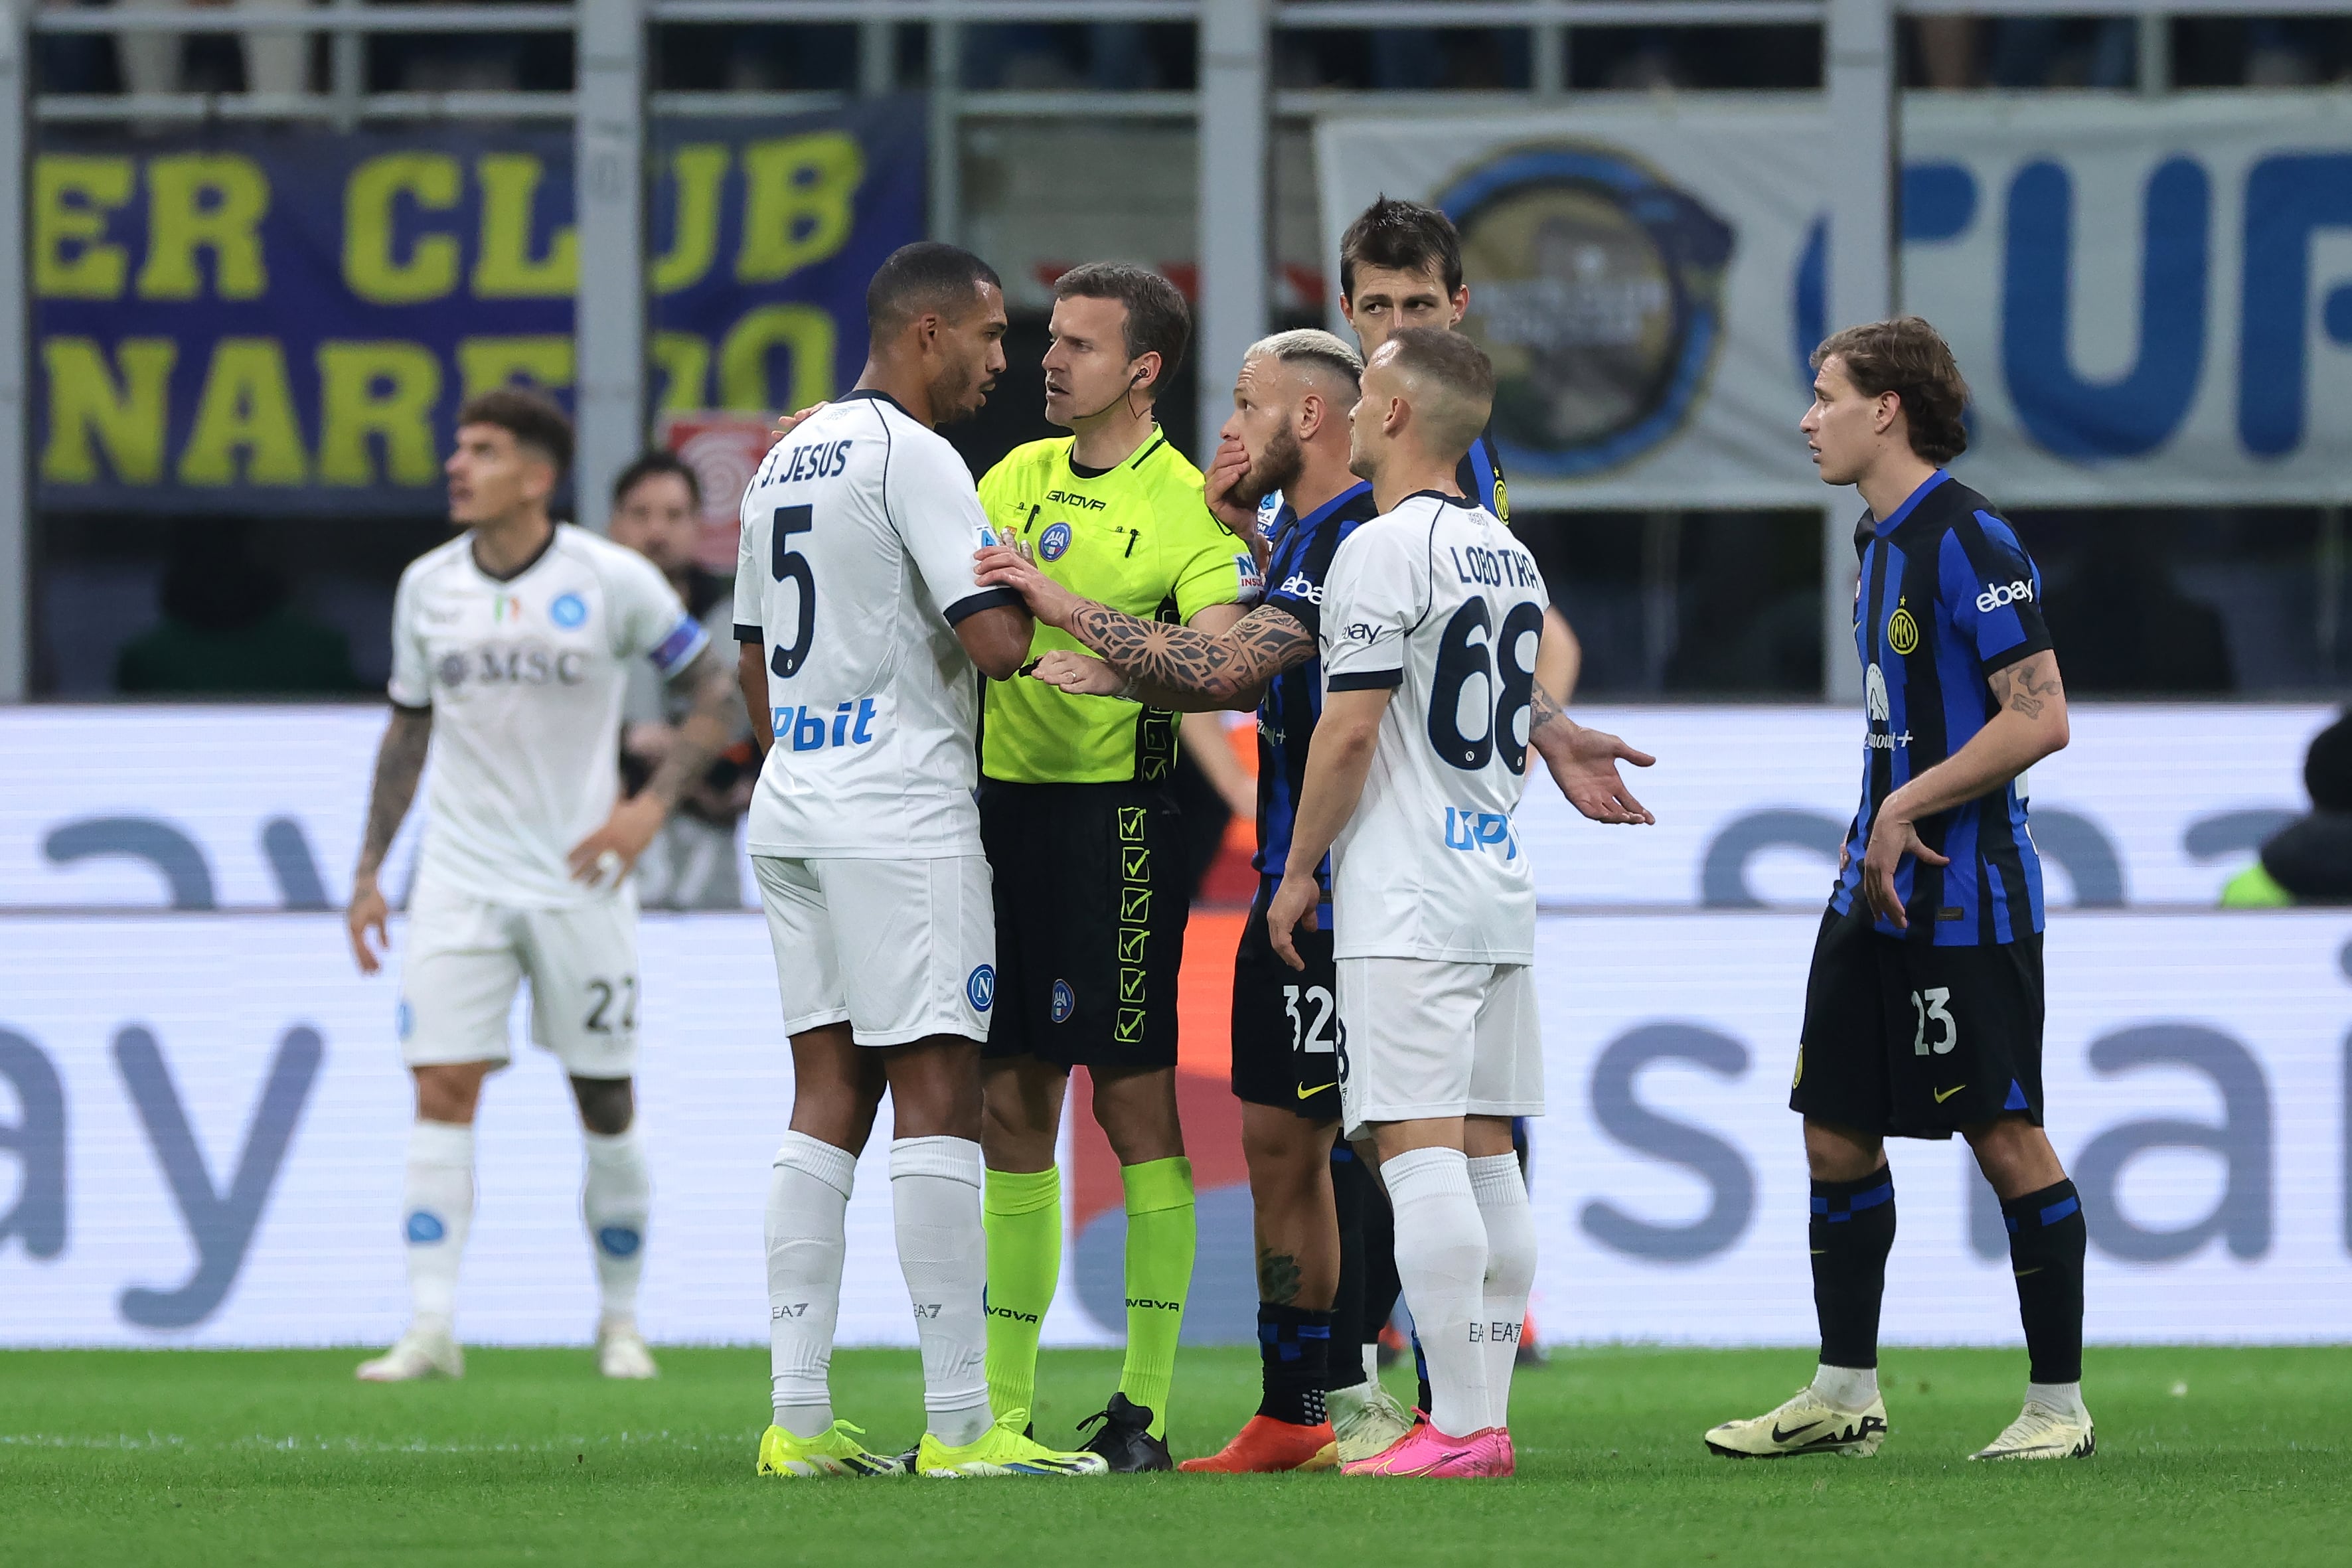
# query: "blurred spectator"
{"type": "Point", "coordinates": [691, 864]}
{"type": "Point", "coordinates": [2125, 628]}
{"type": "Point", "coordinates": [2284, 52]}
{"type": "Point", "coordinates": [2053, 51]}
{"type": "Point", "coordinates": [1109, 57]}
{"type": "Point", "coordinates": [2309, 861]}
{"type": "Point", "coordinates": [277, 62]}
{"type": "Point", "coordinates": [228, 629]}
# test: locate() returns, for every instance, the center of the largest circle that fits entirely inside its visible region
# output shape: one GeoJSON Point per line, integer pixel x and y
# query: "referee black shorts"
{"type": "Point", "coordinates": [1906, 1039]}
{"type": "Point", "coordinates": [1287, 1036]}
{"type": "Point", "coordinates": [1091, 900]}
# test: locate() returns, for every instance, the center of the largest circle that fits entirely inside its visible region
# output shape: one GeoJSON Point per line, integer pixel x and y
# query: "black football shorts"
{"type": "Point", "coordinates": [1287, 1036]}
{"type": "Point", "coordinates": [1906, 1039]}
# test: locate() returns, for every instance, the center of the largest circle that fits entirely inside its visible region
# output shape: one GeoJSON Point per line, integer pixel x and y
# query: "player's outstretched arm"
{"type": "Point", "coordinates": [1163, 665]}
{"type": "Point", "coordinates": [399, 763]}
{"type": "Point", "coordinates": [607, 853]}
{"type": "Point", "coordinates": [2029, 724]}
{"type": "Point", "coordinates": [1583, 763]}
{"type": "Point", "coordinates": [1338, 760]}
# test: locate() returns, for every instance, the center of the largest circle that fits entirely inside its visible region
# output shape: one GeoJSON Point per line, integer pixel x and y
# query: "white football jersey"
{"type": "Point", "coordinates": [525, 678]}
{"type": "Point", "coordinates": [1438, 601]}
{"type": "Point", "coordinates": [858, 533]}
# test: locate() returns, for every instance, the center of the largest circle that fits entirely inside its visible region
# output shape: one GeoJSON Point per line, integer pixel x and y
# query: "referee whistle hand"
{"type": "Point", "coordinates": [1292, 910]}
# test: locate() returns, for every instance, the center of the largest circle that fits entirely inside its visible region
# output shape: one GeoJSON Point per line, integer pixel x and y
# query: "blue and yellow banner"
{"type": "Point", "coordinates": [265, 321]}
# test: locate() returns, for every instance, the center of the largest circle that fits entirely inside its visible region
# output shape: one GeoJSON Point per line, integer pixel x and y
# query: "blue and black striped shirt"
{"type": "Point", "coordinates": [1947, 598]}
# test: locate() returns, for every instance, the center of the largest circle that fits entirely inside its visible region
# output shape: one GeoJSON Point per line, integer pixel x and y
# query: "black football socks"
{"type": "Point", "coordinates": [1851, 1231]}
{"type": "Point", "coordinates": [2047, 1242]}
{"type": "Point", "coordinates": [1350, 1184]}
{"type": "Point", "coordinates": [1294, 1347]}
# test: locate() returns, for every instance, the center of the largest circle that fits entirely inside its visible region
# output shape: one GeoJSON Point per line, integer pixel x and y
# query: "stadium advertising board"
{"type": "Point", "coordinates": [260, 808]}
{"type": "Point", "coordinates": [2151, 298]}
{"type": "Point", "coordinates": [203, 1118]}
{"type": "Point", "coordinates": [243, 321]}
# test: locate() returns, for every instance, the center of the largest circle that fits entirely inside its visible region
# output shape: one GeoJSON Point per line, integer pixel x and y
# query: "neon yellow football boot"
{"type": "Point", "coordinates": [835, 1451]}
{"type": "Point", "coordinates": [1002, 1450]}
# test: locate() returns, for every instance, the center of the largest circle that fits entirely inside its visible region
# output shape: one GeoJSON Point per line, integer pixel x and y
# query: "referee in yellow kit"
{"type": "Point", "coordinates": [1089, 858]}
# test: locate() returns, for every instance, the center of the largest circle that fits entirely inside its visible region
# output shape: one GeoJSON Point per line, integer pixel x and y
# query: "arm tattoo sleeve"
{"type": "Point", "coordinates": [1162, 658]}
{"type": "Point", "coordinates": [704, 734]}
{"type": "Point", "coordinates": [398, 763]}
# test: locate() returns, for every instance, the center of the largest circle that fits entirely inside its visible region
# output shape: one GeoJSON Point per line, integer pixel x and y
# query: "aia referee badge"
{"type": "Point", "coordinates": [1054, 542]}
{"type": "Point", "coordinates": [1066, 1001]}
{"type": "Point", "coordinates": [1600, 301]}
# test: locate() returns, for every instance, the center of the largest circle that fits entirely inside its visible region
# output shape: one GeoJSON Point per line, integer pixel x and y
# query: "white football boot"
{"type": "Point", "coordinates": [1807, 1424]}
{"type": "Point", "coordinates": [621, 1351]}
{"type": "Point", "coordinates": [2040, 1433]}
{"type": "Point", "coordinates": [1366, 1419]}
{"type": "Point", "coordinates": [427, 1349]}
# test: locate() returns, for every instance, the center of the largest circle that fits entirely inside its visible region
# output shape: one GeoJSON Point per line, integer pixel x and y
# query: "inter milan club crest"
{"type": "Point", "coordinates": [1902, 632]}
{"type": "Point", "coordinates": [1599, 299]}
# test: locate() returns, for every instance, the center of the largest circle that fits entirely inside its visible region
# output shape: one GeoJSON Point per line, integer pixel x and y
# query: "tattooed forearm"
{"type": "Point", "coordinates": [2018, 688]}
{"type": "Point", "coordinates": [1546, 722]}
{"type": "Point", "coordinates": [1184, 666]}
{"type": "Point", "coordinates": [399, 762]}
{"type": "Point", "coordinates": [703, 735]}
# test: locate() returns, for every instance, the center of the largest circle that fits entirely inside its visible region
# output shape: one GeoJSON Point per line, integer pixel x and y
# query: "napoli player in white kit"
{"type": "Point", "coordinates": [1432, 615]}
{"type": "Point", "coordinates": [511, 644]}
{"type": "Point", "coordinates": [861, 625]}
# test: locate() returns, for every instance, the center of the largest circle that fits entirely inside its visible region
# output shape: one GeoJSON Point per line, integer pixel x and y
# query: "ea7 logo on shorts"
{"type": "Point", "coordinates": [1473, 831]}
{"type": "Point", "coordinates": [1996, 594]}
{"type": "Point", "coordinates": [979, 988]}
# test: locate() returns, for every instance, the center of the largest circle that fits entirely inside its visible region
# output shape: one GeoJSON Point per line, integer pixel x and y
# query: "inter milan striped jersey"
{"type": "Point", "coordinates": [1302, 548]}
{"type": "Point", "coordinates": [1480, 475]}
{"type": "Point", "coordinates": [1947, 598]}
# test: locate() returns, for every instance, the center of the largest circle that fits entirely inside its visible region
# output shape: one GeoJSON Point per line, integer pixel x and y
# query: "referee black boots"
{"type": "Point", "coordinates": [1125, 1441]}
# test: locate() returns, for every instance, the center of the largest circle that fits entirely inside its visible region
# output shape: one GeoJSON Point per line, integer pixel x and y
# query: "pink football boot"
{"type": "Point", "coordinates": [1426, 1451]}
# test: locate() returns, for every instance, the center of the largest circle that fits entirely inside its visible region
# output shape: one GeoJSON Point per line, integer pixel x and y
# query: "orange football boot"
{"type": "Point", "coordinates": [1265, 1446]}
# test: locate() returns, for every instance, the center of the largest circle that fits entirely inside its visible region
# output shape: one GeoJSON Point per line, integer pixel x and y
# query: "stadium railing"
{"type": "Point", "coordinates": [1235, 103]}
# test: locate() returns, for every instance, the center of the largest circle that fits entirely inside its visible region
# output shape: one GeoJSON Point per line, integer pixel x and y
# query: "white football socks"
{"type": "Point", "coordinates": [1846, 1387]}
{"type": "Point", "coordinates": [615, 1198]}
{"type": "Point", "coordinates": [808, 1199]}
{"type": "Point", "coordinates": [1502, 1194]}
{"type": "Point", "coordinates": [935, 1201]}
{"type": "Point", "coordinates": [2066, 1398]}
{"type": "Point", "coordinates": [437, 1210]}
{"type": "Point", "coordinates": [1441, 1258]}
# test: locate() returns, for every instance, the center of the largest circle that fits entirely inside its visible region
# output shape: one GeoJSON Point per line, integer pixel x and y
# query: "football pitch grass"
{"type": "Point", "coordinates": [191, 1458]}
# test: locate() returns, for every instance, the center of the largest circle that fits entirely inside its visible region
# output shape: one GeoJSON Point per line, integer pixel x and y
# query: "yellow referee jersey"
{"type": "Point", "coordinates": [1137, 539]}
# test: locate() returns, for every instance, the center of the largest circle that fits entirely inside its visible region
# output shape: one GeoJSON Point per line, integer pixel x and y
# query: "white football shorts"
{"type": "Point", "coordinates": [467, 956]}
{"type": "Point", "coordinates": [1427, 1039]}
{"type": "Point", "coordinates": [898, 950]}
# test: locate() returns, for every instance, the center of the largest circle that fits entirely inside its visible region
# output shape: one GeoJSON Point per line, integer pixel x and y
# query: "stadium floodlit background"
{"type": "Point", "coordinates": [267, 248]}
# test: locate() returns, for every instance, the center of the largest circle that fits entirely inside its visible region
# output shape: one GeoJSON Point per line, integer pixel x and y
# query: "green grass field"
{"type": "Point", "coordinates": [187, 1458]}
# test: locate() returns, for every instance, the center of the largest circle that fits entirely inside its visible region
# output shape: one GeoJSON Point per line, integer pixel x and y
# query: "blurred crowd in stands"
{"type": "Point", "coordinates": [2010, 52]}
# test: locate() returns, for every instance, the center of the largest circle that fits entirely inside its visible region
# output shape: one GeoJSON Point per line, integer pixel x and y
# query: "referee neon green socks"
{"type": "Point", "coordinates": [1022, 1213]}
{"type": "Point", "coordinates": [1159, 1242]}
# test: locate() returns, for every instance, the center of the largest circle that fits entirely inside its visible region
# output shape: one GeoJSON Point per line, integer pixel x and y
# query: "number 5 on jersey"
{"type": "Point", "coordinates": [788, 565]}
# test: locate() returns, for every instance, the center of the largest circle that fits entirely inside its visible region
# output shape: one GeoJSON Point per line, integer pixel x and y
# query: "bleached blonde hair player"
{"type": "Point", "coordinates": [1431, 620]}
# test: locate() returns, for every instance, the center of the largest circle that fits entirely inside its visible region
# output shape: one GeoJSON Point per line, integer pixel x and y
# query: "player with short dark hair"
{"type": "Point", "coordinates": [863, 637]}
{"type": "Point", "coordinates": [1091, 875]}
{"type": "Point", "coordinates": [1924, 1008]}
{"type": "Point", "coordinates": [657, 464]}
{"type": "Point", "coordinates": [511, 652]}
